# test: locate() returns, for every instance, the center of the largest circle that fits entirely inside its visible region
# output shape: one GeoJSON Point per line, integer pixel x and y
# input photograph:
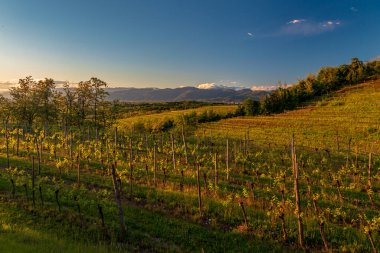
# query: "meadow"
{"type": "Point", "coordinates": [238, 185]}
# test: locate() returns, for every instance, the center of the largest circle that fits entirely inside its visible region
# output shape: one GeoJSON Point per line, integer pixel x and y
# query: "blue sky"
{"type": "Point", "coordinates": [171, 43]}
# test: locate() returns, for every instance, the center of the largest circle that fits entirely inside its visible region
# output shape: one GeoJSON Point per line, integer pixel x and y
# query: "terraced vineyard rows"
{"type": "Point", "coordinates": [153, 120]}
{"type": "Point", "coordinates": [224, 191]}
{"type": "Point", "coordinates": [352, 113]}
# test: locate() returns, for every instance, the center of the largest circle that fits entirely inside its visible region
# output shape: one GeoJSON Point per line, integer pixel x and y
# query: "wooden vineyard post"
{"type": "Point", "coordinates": [78, 168]}
{"type": "Point", "coordinates": [7, 143]}
{"type": "Point", "coordinates": [227, 161]}
{"type": "Point", "coordinates": [154, 165]}
{"type": "Point", "coordinates": [337, 141]}
{"type": "Point", "coordinates": [131, 180]}
{"type": "Point", "coordinates": [130, 152]}
{"type": "Point", "coordinates": [18, 142]}
{"type": "Point", "coordinates": [216, 169]}
{"type": "Point", "coordinates": [348, 152]}
{"type": "Point", "coordinates": [116, 139]}
{"type": "Point", "coordinates": [41, 197]}
{"type": "Point", "coordinates": [182, 183]}
{"type": "Point", "coordinates": [283, 227]}
{"type": "Point", "coordinates": [39, 152]}
{"type": "Point", "coordinates": [57, 199]}
{"type": "Point", "coordinates": [199, 191]}
{"type": "Point", "coordinates": [71, 147]}
{"type": "Point", "coordinates": [252, 187]}
{"type": "Point", "coordinates": [322, 232]}
{"type": "Point", "coordinates": [33, 192]}
{"type": "Point", "coordinates": [147, 148]}
{"type": "Point", "coordinates": [184, 145]}
{"type": "Point", "coordinates": [173, 151]}
{"type": "Point", "coordinates": [118, 201]}
{"type": "Point", "coordinates": [241, 204]}
{"type": "Point", "coordinates": [356, 155]}
{"type": "Point", "coordinates": [301, 240]}
{"type": "Point", "coordinates": [13, 188]}
{"type": "Point", "coordinates": [205, 182]}
{"type": "Point", "coordinates": [100, 209]}
{"type": "Point", "coordinates": [370, 169]}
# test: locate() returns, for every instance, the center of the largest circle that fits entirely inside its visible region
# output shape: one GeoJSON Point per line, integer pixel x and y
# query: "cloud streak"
{"type": "Point", "coordinates": [296, 21]}
{"type": "Point", "coordinates": [307, 28]}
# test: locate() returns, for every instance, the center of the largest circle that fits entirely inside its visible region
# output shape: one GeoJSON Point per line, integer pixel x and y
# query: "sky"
{"type": "Point", "coordinates": [172, 43]}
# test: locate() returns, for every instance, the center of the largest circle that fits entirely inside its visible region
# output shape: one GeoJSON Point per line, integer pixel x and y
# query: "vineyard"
{"type": "Point", "coordinates": [301, 180]}
{"type": "Point", "coordinates": [154, 121]}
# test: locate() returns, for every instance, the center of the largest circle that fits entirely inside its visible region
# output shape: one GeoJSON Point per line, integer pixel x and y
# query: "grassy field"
{"type": "Point", "coordinates": [152, 120]}
{"type": "Point", "coordinates": [222, 189]}
{"type": "Point", "coordinates": [351, 113]}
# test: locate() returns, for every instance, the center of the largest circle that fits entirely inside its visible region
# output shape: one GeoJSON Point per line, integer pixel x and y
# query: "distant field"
{"type": "Point", "coordinates": [157, 118]}
{"type": "Point", "coordinates": [353, 112]}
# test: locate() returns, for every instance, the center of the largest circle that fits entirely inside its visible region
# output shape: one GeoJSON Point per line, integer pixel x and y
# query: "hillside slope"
{"type": "Point", "coordinates": [350, 113]}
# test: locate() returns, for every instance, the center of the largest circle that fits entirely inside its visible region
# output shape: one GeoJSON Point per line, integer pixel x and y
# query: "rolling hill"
{"type": "Point", "coordinates": [225, 95]}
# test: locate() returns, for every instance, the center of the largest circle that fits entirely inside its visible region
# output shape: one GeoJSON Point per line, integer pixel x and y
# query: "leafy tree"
{"type": "Point", "coordinates": [24, 101]}
{"type": "Point", "coordinates": [5, 109]}
{"type": "Point", "coordinates": [250, 107]}
{"type": "Point", "coordinates": [46, 101]}
{"type": "Point", "coordinates": [356, 71]}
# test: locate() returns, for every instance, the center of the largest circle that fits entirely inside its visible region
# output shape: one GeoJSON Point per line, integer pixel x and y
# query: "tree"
{"type": "Point", "coordinates": [46, 101]}
{"type": "Point", "coordinates": [24, 101]}
{"type": "Point", "coordinates": [251, 107]}
{"type": "Point", "coordinates": [68, 101]}
{"type": "Point", "coordinates": [356, 71]}
{"type": "Point", "coordinates": [5, 109]}
{"type": "Point", "coordinates": [84, 96]}
{"type": "Point", "coordinates": [98, 96]}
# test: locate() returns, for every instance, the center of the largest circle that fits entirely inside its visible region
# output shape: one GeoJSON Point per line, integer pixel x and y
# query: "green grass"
{"type": "Point", "coordinates": [161, 218]}
{"type": "Point", "coordinates": [151, 120]}
{"type": "Point", "coordinates": [352, 112]}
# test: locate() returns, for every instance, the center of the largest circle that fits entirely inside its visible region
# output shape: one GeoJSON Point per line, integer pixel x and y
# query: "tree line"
{"type": "Point", "coordinates": [40, 105]}
{"type": "Point", "coordinates": [328, 79]}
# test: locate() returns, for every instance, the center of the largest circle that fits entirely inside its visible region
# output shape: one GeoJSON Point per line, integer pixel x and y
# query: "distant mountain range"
{"type": "Point", "coordinates": [215, 94]}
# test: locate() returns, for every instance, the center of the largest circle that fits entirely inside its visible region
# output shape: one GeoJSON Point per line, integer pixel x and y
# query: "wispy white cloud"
{"type": "Point", "coordinates": [263, 88]}
{"type": "Point", "coordinates": [306, 27]}
{"type": "Point", "coordinates": [353, 9]}
{"type": "Point", "coordinates": [206, 86]}
{"type": "Point", "coordinates": [222, 84]}
{"type": "Point", "coordinates": [250, 34]}
{"type": "Point", "coordinates": [296, 21]}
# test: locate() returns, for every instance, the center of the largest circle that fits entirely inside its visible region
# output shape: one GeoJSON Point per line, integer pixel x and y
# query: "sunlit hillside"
{"type": "Point", "coordinates": [352, 113]}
